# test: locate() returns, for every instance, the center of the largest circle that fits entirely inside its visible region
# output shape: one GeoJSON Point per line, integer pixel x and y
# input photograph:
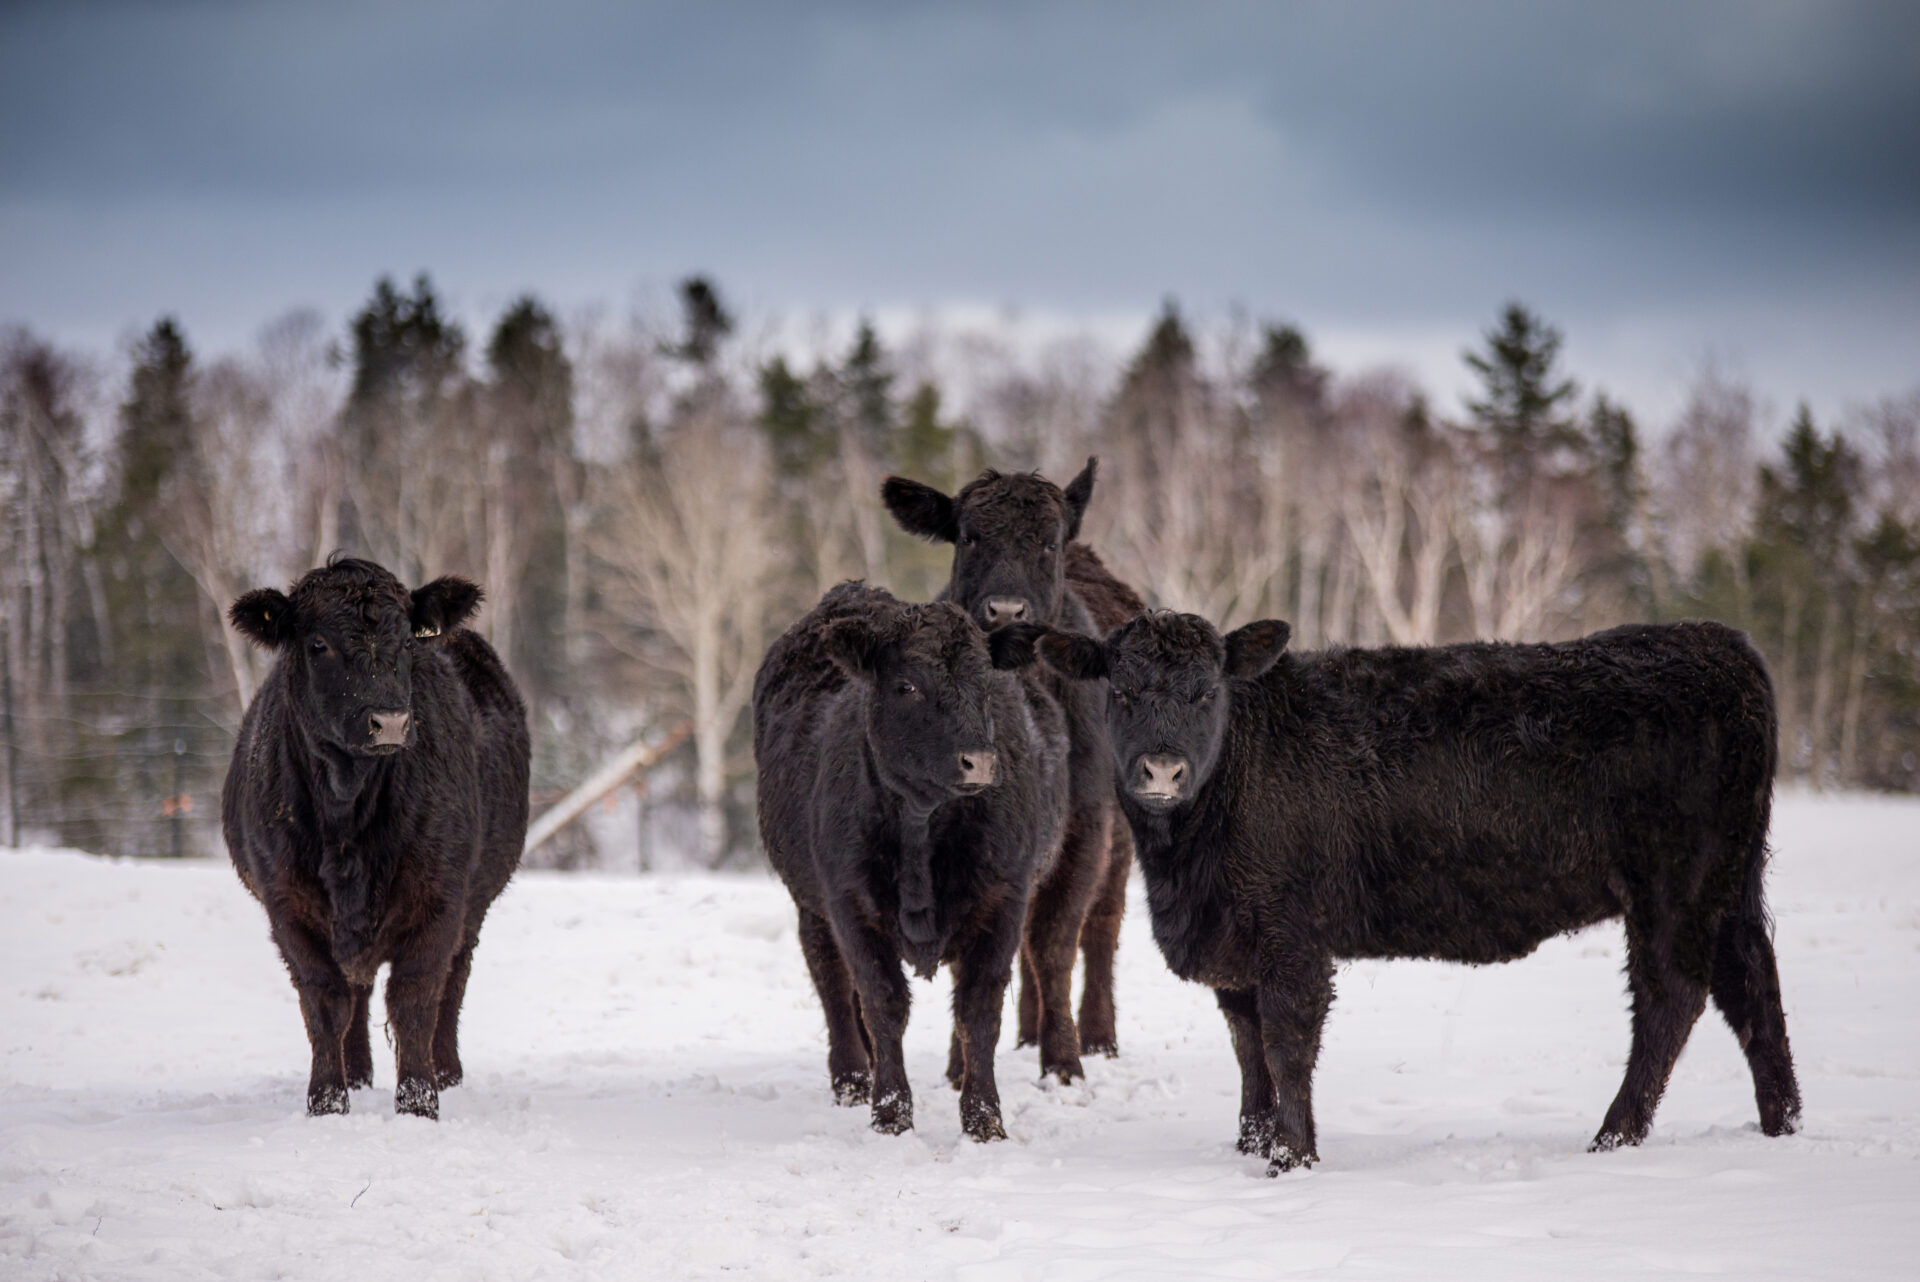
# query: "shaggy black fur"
{"type": "Point", "coordinates": [1014, 559]}
{"type": "Point", "coordinates": [1461, 803]}
{"type": "Point", "coordinates": [376, 806]}
{"type": "Point", "coordinates": [876, 729]}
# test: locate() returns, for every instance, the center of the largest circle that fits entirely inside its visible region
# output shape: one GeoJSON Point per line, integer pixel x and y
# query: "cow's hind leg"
{"type": "Point", "coordinates": [359, 1045]}
{"type": "Point", "coordinates": [447, 1070]}
{"type": "Point", "coordinates": [1257, 1111]}
{"type": "Point", "coordinates": [1028, 1033]}
{"type": "Point", "coordinates": [1099, 940]}
{"type": "Point", "coordinates": [1667, 1002]}
{"type": "Point", "coordinates": [1746, 988]}
{"type": "Point", "coordinates": [847, 1063]}
{"type": "Point", "coordinates": [1058, 911]}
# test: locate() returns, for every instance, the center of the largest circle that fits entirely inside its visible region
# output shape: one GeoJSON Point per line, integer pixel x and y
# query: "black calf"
{"type": "Point", "coordinates": [1461, 803]}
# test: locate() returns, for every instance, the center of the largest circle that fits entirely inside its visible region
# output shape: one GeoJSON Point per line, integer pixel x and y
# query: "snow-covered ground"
{"type": "Point", "coordinates": [647, 1097]}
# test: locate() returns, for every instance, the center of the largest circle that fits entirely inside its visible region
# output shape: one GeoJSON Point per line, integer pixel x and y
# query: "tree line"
{"type": "Point", "coordinates": [648, 503]}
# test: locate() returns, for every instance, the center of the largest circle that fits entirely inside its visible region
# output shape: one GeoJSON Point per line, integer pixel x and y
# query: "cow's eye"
{"type": "Point", "coordinates": [1120, 696]}
{"type": "Point", "coordinates": [1050, 545]}
{"type": "Point", "coordinates": [970, 540]}
{"type": "Point", "coordinates": [906, 688]}
{"type": "Point", "coordinates": [318, 645]}
{"type": "Point", "coordinates": [1206, 695]}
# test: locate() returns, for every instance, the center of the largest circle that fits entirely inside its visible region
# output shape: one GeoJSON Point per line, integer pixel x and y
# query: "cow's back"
{"type": "Point", "coordinates": [1458, 801]}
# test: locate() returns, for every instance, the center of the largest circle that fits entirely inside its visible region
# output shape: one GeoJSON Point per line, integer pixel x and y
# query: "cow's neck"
{"type": "Point", "coordinates": [912, 822]}
{"type": "Point", "coordinates": [1179, 853]}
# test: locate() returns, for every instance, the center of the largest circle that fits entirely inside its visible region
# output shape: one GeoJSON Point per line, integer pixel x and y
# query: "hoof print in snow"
{"type": "Point", "coordinates": [417, 1098]}
{"type": "Point", "coordinates": [327, 1099]}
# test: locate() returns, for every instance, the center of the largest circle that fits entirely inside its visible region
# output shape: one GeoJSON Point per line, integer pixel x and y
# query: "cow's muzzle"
{"type": "Point", "coordinates": [388, 729]}
{"type": "Point", "coordinates": [977, 770]}
{"type": "Point", "coordinates": [1159, 779]}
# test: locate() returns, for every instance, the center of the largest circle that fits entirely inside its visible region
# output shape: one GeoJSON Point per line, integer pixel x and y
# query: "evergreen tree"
{"type": "Point", "coordinates": [704, 323]}
{"type": "Point", "coordinates": [1285, 375]}
{"type": "Point", "coordinates": [1524, 403]}
{"type": "Point", "coordinates": [866, 383]}
{"type": "Point", "coordinates": [530, 400]}
{"type": "Point", "coordinates": [791, 419]}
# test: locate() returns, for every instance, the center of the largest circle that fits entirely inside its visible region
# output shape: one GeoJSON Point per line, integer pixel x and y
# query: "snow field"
{"type": "Point", "coordinates": [647, 1098]}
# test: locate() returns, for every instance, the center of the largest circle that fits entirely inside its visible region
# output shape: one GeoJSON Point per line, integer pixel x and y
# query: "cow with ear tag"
{"type": "Point", "coordinates": [1459, 803]}
{"type": "Point", "coordinates": [376, 806]}
{"type": "Point", "coordinates": [912, 784]}
{"type": "Point", "coordinates": [1017, 559]}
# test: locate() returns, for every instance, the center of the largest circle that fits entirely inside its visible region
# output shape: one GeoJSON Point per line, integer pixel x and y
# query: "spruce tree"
{"type": "Point", "coordinates": [1523, 408]}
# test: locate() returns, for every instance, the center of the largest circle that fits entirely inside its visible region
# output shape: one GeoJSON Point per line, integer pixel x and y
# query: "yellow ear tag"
{"type": "Point", "coordinates": [426, 632]}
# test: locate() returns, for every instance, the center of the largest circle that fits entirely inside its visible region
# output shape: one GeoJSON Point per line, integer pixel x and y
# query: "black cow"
{"type": "Point", "coordinates": [909, 790]}
{"type": "Point", "coordinates": [376, 806]}
{"type": "Point", "coordinates": [1461, 803]}
{"type": "Point", "coordinates": [1014, 560]}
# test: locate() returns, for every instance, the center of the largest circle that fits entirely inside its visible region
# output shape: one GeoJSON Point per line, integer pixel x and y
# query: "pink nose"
{"type": "Point", "coordinates": [1005, 609]}
{"type": "Point", "coordinates": [1160, 777]}
{"type": "Point", "coordinates": [389, 728]}
{"type": "Point", "coordinates": [976, 768]}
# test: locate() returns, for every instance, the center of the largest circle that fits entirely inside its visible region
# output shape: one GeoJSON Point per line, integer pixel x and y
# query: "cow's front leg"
{"type": "Point", "coordinates": [1257, 1112]}
{"type": "Point", "coordinates": [326, 1005]}
{"type": "Point", "coordinates": [875, 966]}
{"type": "Point", "coordinates": [415, 986]}
{"type": "Point", "coordinates": [980, 977]}
{"type": "Point", "coordinates": [1292, 1006]}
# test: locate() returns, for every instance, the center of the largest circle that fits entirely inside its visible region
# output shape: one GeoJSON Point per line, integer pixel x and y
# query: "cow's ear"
{"type": "Point", "coordinates": [1253, 649]}
{"type": "Point", "coordinates": [1072, 655]}
{"type": "Point", "coordinates": [1079, 491]}
{"type": "Point", "coordinates": [921, 509]}
{"type": "Point", "coordinates": [443, 605]}
{"type": "Point", "coordinates": [264, 617]}
{"type": "Point", "coordinates": [854, 644]}
{"type": "Point", "coordinates": [1015, 645]}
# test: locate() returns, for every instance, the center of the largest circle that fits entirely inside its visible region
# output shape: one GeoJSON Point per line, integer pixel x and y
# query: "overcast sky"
{"type": "Point", "coordinates": [1666, 182]}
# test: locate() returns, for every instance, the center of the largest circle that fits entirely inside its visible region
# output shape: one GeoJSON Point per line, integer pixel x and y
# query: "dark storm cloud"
{"type": "Point", "coordinates": [1354, 162]}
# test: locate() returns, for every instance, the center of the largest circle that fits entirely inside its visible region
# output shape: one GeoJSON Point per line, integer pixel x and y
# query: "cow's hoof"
{"type": "Point", "coordinates": [445, 1077]}
{"type": "Point", "coordinates": [1782, 1122]}
{"type": "Point", "coordinates": [1107, 1046]}
{"type": "Point", "coordinates": [1256, 1135]}
{"type": "Point", "coordinates": [417, 1098]}
{"type": "Point", "coordinates": [893, 1114]}
{"type": "Point", "coordinates": [1608, 1140]}
{"type": "Point", "coordinates": [325, 1100]}
{"type": "Point", "coordinates": [1282, 1157]}
{"type": "Point", "coordinates": [1026, 1039]}
{"type": "Point", "coordinates": [982, 1122]}
{"type": "Point", "coordinates": [359, 1079]}
{"type": "Point", "coordinates": [852, 1088]}
{"type": "Point", "coordinates": [1066, 1072]}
